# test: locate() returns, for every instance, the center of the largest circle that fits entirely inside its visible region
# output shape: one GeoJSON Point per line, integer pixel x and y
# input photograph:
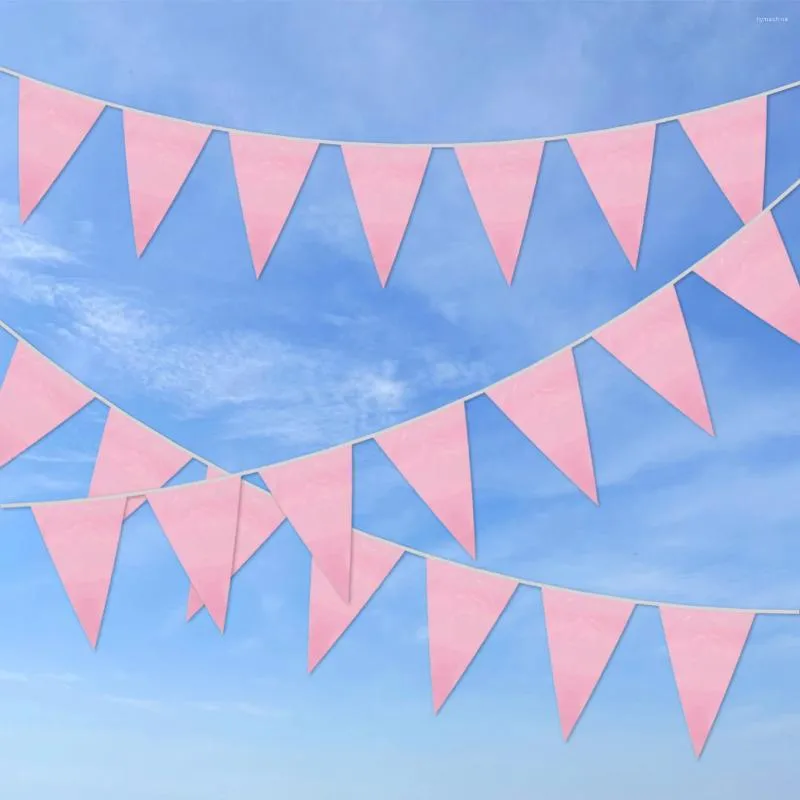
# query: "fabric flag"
{"type": "Point", "coordinates": [545, 403]}
{"type": "Point", "coordinates": [52, 125]}
{"type": "Point", "coordinates": [329, 615]}
{"type": "Point", "coordinates": [82, 539]}
{"type": "Point", "coordinates": [755, 270]}
{"type": "Point", "coordinates": [259, 518]}
{"type": "Point", "coordinates": [35, 398]}
{"type": "Point", "coordinates": [502, 179]}
{"type": "Point", "coordinates": [704, 648]}
{"type": "Point", "coordinates": [270, 172]}
{"type": "Point", "coordinates": [652, 341]}
{"type": "Point", "coordinates": [732, 141]}
{"type": "Point", "coordinates": [316, 495]}
{"type": "Point", "coordinates": [132, 458]}
{"type": "Point", "coordinates": [617, 165]}
{"type": "Point", "coordinates": [582, 633]}
{"type": "Point", "coordinates": [463, 606]}
{"type": "Point", "coordinates": [160, 154]}
{"type": "Point", "coordinates": [432, 454]}
{"type": "Point", "coordinates": [386, 182]}
{"type": "Point", "coordinates": [200, 521]}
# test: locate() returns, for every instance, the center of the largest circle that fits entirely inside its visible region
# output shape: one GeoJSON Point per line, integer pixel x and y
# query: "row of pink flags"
{"type": "Point", "coordinates": [160, 152]}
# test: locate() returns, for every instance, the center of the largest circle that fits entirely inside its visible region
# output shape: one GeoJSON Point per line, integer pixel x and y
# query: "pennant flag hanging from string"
{"type": "Point", "coordinates": [82, 539]}
{"type": "Point", "coordinates": [200, 522]}
{"type": "Point", "coordinates": [52, 125]}
{"type": "Point", "coordinates": [732, 141]}
{"type": "Point", "coordinates": [582, 633]}
{"type": "Point", "coordinates": [617, 165]}
{"type": "Point", "coordinates": [159, 154]}
{"type": "Point", "coordinates": [386, 182]}
{"type": "Point", "coordinates": [35, 398]}
{"type": "Point", "coordinates": [316, 495]}
{"type": "Point", "coordinates": [132, 458]}
{"type": "Point", "coordinates": [432, 454]}
{"type": "Point", "coordinates": [502, 179]}
{"type": "Point", "coordinates": [652, 341]}
{"type": "Point", "coordinates": [463, 606]}
{"type": "Point", "coordinates": [755, 270]}
{"type": "Point", "coordinates": [545, 403]}
{"type": "Point", "coordinates": [269, 175]}
{"type": "Point", "coordinates": [259, 518]}
{"type": "Point", "coordinates": [704, 649]}
{"type": "Point", "coordinates": [329, 615]}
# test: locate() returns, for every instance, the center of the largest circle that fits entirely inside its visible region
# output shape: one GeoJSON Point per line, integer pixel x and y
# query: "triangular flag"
{"type": "Point", "coordinates": [545, 403]}
{"type": "Point", "coordinates": [755, 270]}
{"type": "Point", "coordinates": [132, 458]}
{"type": "Point", "coordinates": [52, 125]}
{"type": "Point", "coordinates": [652, 341]}
{"type": "Point", "coordinates": [160, 154]}
{"type": "Point", "coordinates": [732, 141]}
{"type": "Point", "coordinates": [704, 648]}
{"type": "Point", "coordinates": [259, 518]}
{"type": "Point", "coordinates": [463, 606]}
{"type": "Point", "coordinates": [200, 521]}
{"type": "Point", "coordinates": [35, 398]}
{"type": "Point", "coordinates": [617, 165]}
{"type": "Point", "coordinates": [82, 539]}
{"type": "Point", "coordinates": [582, 633]}
{"type": "Point", "coordinates": [502, 179]}
{"type": "Point", "coordinates": [329, 615]}
{"type": "Point", "coordinates": [432, 454]}
{"type": "Point", "coordinates": [386, 182]}
{"type": "Point", "coordinates": [316, 494]}
{"type": "Point", "coordinates": [269, 174]}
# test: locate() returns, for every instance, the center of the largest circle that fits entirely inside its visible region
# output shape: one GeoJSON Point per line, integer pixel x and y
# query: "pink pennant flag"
{"type": "Point", "coordinates": [755, 270]}
{"type": "Point", "coordinates": [82, 539]}
{"type": "Point", "coordinates": [704, 648]}
{"type": "Point", "coordinates": [329, 615]}
{"type": "Point", "coordinates": [582, 633]}
{"type": "Point", "coordinates": [269, 175]}
{"type": "Point", "coordinates": [386, 182]}
{"type": "Point", "coordinates": [463, 606]}
{"type": "Point", "coordinates": [35, 398]}
{"type": "Point", "coordinates": [200, 521]}
{"type": "Point", "coordinates": [732, 141]}
{"type": "Point", "coordinates": [132, 458]}
{"type": "Point", "coordinates": [160, 154]}
{"type": "Point", "coordinates": [259, 518]}
{"type": "Point", "coordinates": [617, 165]}
{"type": "Point", "coordinates": [652, 341]}
{"type": "Point", "coordinates": [432, 454]}
{"type": "Point", "coordinates": [316, 495]}
{"type": "Point", "coordinates": [545, 403]}
{"type": "Point", "coordinates": [502, 179]}
{"type": "Point", "coordinates": [52, 125]}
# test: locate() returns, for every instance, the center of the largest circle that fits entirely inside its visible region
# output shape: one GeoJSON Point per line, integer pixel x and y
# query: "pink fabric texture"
{"type": "Point", "coordinates": [502, 180]}
{"type": "Point", "coordinates": [82, 539]}
{"type": "Point", "coordinates": [386, 182]}
{"type": "Point", "coordinates": [463, 607]}
{"type": "Point", "coordinates": [704, 649]}
{"type": "Point", "coordinates": [52, 125]}
{"type": "Point", "coordinates": [652, 341]}
{"type": "Point", "coordinates": [269, 175]}
{"type": "Point", "coordinates": [160, 154]}
{"type": "Point", "coordinates": [582, 634]}
{"type": "Point", "coordinates": [432, 454]}
{"type": "Point", "coordinates": [545, 403]}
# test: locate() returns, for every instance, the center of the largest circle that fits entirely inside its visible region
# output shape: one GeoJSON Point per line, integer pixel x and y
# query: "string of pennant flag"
{"type": "Point", "coordinates": [270, 170]}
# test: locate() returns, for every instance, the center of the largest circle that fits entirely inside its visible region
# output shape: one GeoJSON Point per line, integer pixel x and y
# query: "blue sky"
{"type": "Point", "coordinates": [314, 353]}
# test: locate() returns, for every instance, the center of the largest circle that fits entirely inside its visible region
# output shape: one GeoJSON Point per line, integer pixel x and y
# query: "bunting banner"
{"type": "Point", "coordinates": [269, 170]}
